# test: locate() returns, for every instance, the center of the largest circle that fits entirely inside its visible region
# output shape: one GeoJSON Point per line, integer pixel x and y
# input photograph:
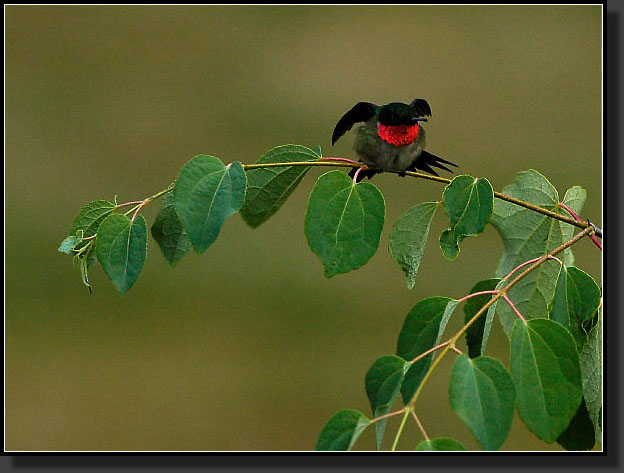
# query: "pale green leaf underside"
{"type": "Point", "coordinates": [591, 372]}
{"type": "Point", "coordinates": [527, 234]}
{"type": "Point", "coordinates": [409, 237]}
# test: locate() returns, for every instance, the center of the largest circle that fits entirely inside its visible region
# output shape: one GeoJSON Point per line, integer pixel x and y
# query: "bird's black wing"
{"type": "Point", "coordinates": [421, 106]}
{"type": "Point", "coordinates": [361, 112]}
{"type": "Point", "coordinates": [426, 160]}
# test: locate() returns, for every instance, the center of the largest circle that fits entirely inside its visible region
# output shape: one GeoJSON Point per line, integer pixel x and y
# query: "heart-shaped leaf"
{"type": "Point", "coordinates": [383, 382]}
{"type": "Point", "coordinates": [527, 234]}
{"type": "Point", "coordinates": [576, 300]}
{"type": "Point", "coordinates": [468, 202]}
{"type": "Point", "coordinates": [422, 330]}
{"type": "Point", "coordinates": [544, 365]}
{"type": "Point", "coordinates": [206, 193]}
{"type": "Point", "coordinates": [343, 222]}
{"type": "Point", "coordinates": [168, 232]}
{"type": "Point", "coordinates": [342, 430]}
{"type": "Point", "coordinates": [121, 247]}
{"type": "Point", "coordinates": [481, 392]}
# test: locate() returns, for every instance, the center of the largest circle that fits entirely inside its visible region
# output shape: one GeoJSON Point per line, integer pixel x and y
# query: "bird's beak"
{"type": "Point", "coordinates": [418, 119]}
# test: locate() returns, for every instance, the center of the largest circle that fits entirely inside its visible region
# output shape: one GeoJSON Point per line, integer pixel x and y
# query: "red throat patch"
{"type": "Point", "coordinates": [398, 135]}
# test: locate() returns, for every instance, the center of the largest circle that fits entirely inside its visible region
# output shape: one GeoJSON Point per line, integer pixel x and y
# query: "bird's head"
{"type": "Point", "coordinates": [398, 123]}
{"type": "Point", "coordinates": [398, 114]}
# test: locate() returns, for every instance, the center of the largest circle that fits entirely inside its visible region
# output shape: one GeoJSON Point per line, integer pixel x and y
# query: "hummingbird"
{"type": "Point", "coordinates": [391, 138]}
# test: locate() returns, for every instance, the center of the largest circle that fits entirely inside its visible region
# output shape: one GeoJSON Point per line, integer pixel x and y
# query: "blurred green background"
{"type": "Point", "coordinates": [248, 346]}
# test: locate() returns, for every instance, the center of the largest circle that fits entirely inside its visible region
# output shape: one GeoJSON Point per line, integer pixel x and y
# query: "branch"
{"type": "Point", "coordinates": [342, 162]}
{"type": "Point", "coordinates": [501, 293]}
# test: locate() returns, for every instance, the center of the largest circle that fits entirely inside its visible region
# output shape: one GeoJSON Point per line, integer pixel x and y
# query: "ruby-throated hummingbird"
{"type": "Point", "coordinates": [391, 138]}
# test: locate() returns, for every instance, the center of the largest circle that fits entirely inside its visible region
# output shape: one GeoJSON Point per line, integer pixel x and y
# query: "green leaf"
{"type": "Point", "coordinates": [468, 203]}
{"type": "Point", "coordinates": [168, 232]}
{"type": "Point", "coordinates": [89, 219]}
{"type": "Point", "coordinates": [206, 193]}
{"type": "Point", "coordinates": [440, 444]}
{"type": "Point", "coordinates": [489, 317]}
{"type": "Point", "coordinates": [527, 234]}
{"type": "Point", "coordinates": [409, 237]}
{"type": "Point", "coordinates": [343, 222]}
{"type": "Point", "coordinates": [383, 381]}
{"type": "Point", "coordinates": [86, 258]}
{"type": "Point", "coordinates": [69, 243]}
{"type": "Point", "coordinates": [545, 368]}
{"type": "Point", "coordinates": [574, 198]}
{"type": "Point", "coordinates": [121, 246]}
{"type": "Point", "coordinates": [481, 392]}
{"type": "Point", "coordinates": [421, 331]}
{"type": "Point", "coordinates": [474, 334]}
{"type": "Point", "coordinates": [591, 373]}
{"type": "Point", "coordinates": [342, 430]}
{"type": "Point", "coordinates": [576, 300]}
{"type": "Point", "coordinates": [579, 435]}
{"type": "Point", "coordinates": [84, 271]}
{"type": "Point", "coordinates": [268, 188]}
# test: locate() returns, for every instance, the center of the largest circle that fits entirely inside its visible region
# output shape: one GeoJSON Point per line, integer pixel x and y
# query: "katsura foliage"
{"type": "Point", "coordinates": [550, 309]}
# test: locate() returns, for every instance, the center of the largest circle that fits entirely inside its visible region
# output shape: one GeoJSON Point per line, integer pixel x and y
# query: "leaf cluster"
{"type": "Point", "coordinates": [552, 379]}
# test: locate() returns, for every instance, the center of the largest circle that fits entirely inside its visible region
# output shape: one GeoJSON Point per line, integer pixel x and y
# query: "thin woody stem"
{"type": "Point", "coordinates": [139, 207]}
{"type": "Point", "coordinates": [407, 409]}
{"type": "Point", "coordinates": [136, 202]}
{"type": "Point", "coordinates": [456, 350]}
{"type": "Point", "coordinates": [431, 350]}
{"type": "Point", "coordinates": [513, 307]}
{"type": "Point", "coordinates": [385, 416]}
{"type": "Point", "coordinates": [578, 219]}
{"type": "Point", "coordinates": [475, 294]}
{"type": "Point", "coordinates": [343, 162]}
{"type": "Point", "coordinates": [422, 429]}
{"type": "Point", "coordinates": [526, 263]}
{"type": "Point", "coordinates": [357, 173]}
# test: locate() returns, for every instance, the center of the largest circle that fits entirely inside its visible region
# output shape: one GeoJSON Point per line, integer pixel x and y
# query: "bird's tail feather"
{"type": "Point", "coordinates": [423, 163]}
{"type": "Point", "coordinates": [426, 160]}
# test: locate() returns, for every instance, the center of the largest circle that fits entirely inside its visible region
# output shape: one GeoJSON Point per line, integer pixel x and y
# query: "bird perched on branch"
{"type": "Point", "coordinates": [391, 138]}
